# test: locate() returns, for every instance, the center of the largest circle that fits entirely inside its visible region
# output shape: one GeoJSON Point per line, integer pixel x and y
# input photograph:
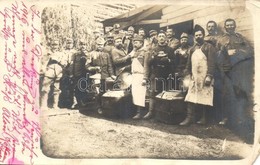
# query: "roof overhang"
{"type": "Point", "coordinates": [136, 17]}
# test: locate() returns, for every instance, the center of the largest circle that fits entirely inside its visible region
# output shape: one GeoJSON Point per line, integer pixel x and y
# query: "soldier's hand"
{"type": "Point", "coordinates": [132, 53]}
{"type": "Point", "coordinates": [144, 82]}
{"type": "Point", "coordinates": [208, 80]}
{"type": "Point", "coordinates": [98, 69]}
{"type": "Point", "coordinates": [165, 59]}
{"type": "Point", "coordinates": [113, 77]}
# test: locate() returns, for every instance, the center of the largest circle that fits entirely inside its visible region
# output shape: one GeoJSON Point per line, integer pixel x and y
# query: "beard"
{"type": "Point", "coordinates": [184, 44]}
{"type": "Point", "coordinates": [211, 31]}
{"type": "Point", "coordinates": [120, 46]}
{"type": "Point", "coordinates": [199, 40]}
{"type": "Point", "coordinates": [230, 30]}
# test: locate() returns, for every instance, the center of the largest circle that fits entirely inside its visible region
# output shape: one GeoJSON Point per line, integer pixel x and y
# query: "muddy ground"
{"type": "Point", "coordinates": [84, 134]}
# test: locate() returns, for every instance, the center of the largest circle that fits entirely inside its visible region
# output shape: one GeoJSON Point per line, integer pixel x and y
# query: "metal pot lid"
{"type": "Point", "coordinates": [124, 80]}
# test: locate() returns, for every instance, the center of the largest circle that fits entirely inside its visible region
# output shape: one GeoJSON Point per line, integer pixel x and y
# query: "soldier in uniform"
{"type": "Point", "coordinates": [66, 82]}
{"type": "Point", "coordinates": [96, 35]}
{"type": "Point", "coordinates": [181, 55]}
{"type": "Point", "coordinates": [116, 31]}
{"type": "Point", "coordinates": [109, 44]}
{"type": "Point", "coordinates": [172, 41]}
{"type": "Point", "coordinates": [137, 69]}
{"type": "Point", "coordinates": [212, 36]}
{"type": "Point", "coordinates": [222, 65]}
{"type": "Point", "coordinates": [141, 33]}
{"type": "Point", "coordinates": [238, 86]}
{"type": "Point", "coordinates": [153, 39]}
{"type": "Point", "coordinates": [53, 73]}
{"type": "Point", "coordinates": [158, 66]}
{"type": "Point", "coordinates": [127, 40]}
{"type": "Point", "coordinates": [200, 67]}
{"type": "Point", "coordinates": [101, 63]}
{"type": "Point", "coordinates": [120, 58]}
{"type": "Point", "coordinates": [79, 72]}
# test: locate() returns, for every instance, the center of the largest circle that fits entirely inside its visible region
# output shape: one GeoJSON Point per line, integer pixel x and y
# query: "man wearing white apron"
{"type": "Point", "coordinates": [200, 67]}
{"type": "Point", "coordinates": [137, 67]}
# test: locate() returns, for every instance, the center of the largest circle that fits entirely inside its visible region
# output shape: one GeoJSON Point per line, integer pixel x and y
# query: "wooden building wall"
{"type": "Point", "coordinates": [202, 14]}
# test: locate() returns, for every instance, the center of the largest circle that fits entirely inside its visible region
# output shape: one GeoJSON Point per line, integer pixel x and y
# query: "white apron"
{"type": "Point", "coordinates": [198, 93]}
{"type": "Point", "coordinates": [138, 91]}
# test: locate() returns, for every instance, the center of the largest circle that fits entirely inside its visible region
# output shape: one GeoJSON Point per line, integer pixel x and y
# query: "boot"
{"type": "Point", "coordinates": [223, 121]}
{"type": "Point", "coordinates": [203, 117]}
{"type": "Point", "coordinates": [190, 116]}
{"type": "Point", "coordinates": [138, 114]}
{"type": "Point", "coordinates": [150, 114]}
{"type": "Point", "coordinates": [56, 100]}
{"type": "Point", "coordinates": [44, 101]}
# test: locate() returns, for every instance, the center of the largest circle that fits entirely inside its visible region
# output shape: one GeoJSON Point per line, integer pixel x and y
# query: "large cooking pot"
{"type": "Point", "coordinates": [124, 80]}
{"type": "Point", "coordinates": [117, 104]}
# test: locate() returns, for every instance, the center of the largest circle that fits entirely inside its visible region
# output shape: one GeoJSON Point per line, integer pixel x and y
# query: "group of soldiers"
{"type": "Point", "coordinates": [207, 64]}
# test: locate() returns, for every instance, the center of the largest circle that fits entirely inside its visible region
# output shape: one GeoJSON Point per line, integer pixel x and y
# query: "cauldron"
{"type": "Point", "coordinates": [117, 104]}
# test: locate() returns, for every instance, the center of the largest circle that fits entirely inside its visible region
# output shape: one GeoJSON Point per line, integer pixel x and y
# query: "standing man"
{"type": "Point", "coordinates": [201, 68]}
{"type": "Point", "coordinates": [116, 31]}
{"type": "Point", "coordinates": [120, 58]}
{"type": "Point", "coordinates": [153, 41]}
{"type": "Point", "coordinates": [239, 86]}
{"type": "Point", "coordinates": [66, 83]}
{"type": "Point", "coordinates": [222, 65]}
{"type": "Point", "coordinates": [158, 66]}
{"type": "Point", "coordinates": [79, 72]}
{"type": "Point", "coordinates": [127, 40]}
{"type": "Point", "coordinates": [137, 69]}
{"type": "Point", "coordinates": [172, 41]}
{"type": "Point", "coordinates": [141, 33]}
{"type": "Point", "coordinates": [212, 36]}
{"type": "Point", "coordinates": [53, 74]}
{"type": "Point", "coordinates": [101, 63]}
{"type": "Point", "coordinates": [181, 55]}
{"type": "Point", "coordinates": [109, 44]}
{"type": "Point", "coordinates": [69, 53]}
{"type": "Point", "coordinates": [96, 35]}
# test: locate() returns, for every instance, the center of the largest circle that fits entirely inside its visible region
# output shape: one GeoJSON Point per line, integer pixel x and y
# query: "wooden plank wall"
{"type": "Point", "coordinates": [202, 14]}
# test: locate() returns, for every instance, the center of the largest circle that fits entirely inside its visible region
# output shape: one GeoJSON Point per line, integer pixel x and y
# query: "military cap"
{"type": "Point", "coordinates": [138, 38]}
{"type": "Point", "coordinates": [163, 32]}
{"type": "Point", "coordinates": [198, 28]}
{"type": "Point", "coordinates": [118, 37]}
{"type": "Point", "coordinates": [100, 40]}
{"type": "Point", "coordinates": [184, 35]}
{"type": "Point", "coordinates": [110, 35]}
{"type": "Point", "coordinates": [152, 32]}
{"type": "Point", "coordinates": [116, 26]}
{"type": "Point", "coordinates": [131, 28]}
